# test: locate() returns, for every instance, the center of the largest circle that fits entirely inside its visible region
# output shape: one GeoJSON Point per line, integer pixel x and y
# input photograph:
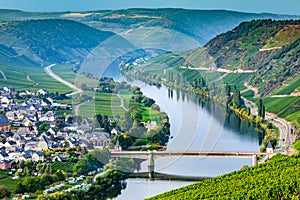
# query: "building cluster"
{"type": "Point", "coordinates": [26, 142]}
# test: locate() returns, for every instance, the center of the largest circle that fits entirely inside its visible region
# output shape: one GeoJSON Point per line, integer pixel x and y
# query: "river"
{"type": "Point", "coordinates": [194, 126]}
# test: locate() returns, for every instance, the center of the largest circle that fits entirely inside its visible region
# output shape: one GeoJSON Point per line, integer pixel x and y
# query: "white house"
{"type": "Point", "coordinates": [42, 91]}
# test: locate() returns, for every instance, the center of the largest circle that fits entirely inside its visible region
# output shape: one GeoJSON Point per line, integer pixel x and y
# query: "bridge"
{"type": "Point", "coordinates": [151, 155]}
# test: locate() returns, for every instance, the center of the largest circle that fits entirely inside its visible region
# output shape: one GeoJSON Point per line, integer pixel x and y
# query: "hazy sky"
{"type": "Point", "coordinates": [271, 6]}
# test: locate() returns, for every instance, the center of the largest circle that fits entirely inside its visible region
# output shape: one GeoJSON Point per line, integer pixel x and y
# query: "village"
{"type": "Point", "coordinates": [29, 128]}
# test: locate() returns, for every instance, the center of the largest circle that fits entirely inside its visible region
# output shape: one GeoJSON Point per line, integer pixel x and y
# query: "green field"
{"type": "Point", "coordinates": [277, 179]}
{"type": "Point", "coordinates": [277, 105]}
{"type": "Point", "coordinates": [17, 77]}
{"type": "Point", "coordinates": [104, 103]}
{"type": "Point", "coordinates": [65, 166]}
{"type": "Point", "coordinates": [65, 72]}
{"type": "Point", "coordinates": [248, 94]}
{"type": "Point", "coordinates": [7, 180]}
{"type": "Point", "coordinates": [290, 87]}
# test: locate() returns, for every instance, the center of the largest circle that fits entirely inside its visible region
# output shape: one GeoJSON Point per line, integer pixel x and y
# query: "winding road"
{"type": "Point", "coordinates": [280, 123]}
{"type": "Point", "coordinates": [49, 71]}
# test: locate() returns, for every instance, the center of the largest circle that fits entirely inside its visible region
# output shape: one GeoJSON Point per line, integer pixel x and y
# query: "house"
{"type": "Point", "coordinates": [26, 156]}
{"type": "Point", "coordinates": [3, 155]}
{"type": "Point", "coordinates": [23, 131]}
{"type": "Point", "coordinates": [22, 93]}
{"type": "Point", "coordinates": [61, 158]}
{"type": "Point", "coordinates": [114, 131]}
{"type": "Point", "coordinates": [37, 156]}
{"type": "Point", "coordinates": [5, 125]}
{"type": "Point", "coordinates": [50, 100]}
{"type": "Point", "coordinates": [99, 139]}
{"type": "Point", "coordinates": [269, 148]}
{"type": "Point", "coordinates": [7, 99]}
{"type": "Point", "coordinates": [5, 164]}
{"type": "Point", "coordinates": [10, 116]}
{"type": "Point", "coordinates": [27, 122]}
{"type": "Point", "coordinates": [8, 89]}
{"type": "Point", "coordinates": [48, 117]}
{"type": "Point", "coordinates": [42, 91]}
{"type": "Point", "coordinates": [43, 144]}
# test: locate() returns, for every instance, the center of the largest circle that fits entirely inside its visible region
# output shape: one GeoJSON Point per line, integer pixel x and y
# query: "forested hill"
{"type": "Point", "coordinates": [52, 40]}
{"type": "Point", "coordinates": [277, 179]}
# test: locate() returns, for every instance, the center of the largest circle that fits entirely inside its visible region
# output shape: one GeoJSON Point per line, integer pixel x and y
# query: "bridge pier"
{"type": "Point", "coordinates": [150, 165]}
{"type": "Point", "coordinates": [254, 160]}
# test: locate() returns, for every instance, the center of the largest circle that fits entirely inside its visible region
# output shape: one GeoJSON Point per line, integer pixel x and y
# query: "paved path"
{"type": "Point", "coordinates": [280, 123]}
{"type": "Point", "coordinates": [4, 77]}
{"type": "Point", "coordinates": [122, 102]}
{"type": "Point", "coordinates": [58, 78]}
{"type": "Point", "coordinates": [219, 70]}
{"type": "Point", "coordinates": [269, 49]}
{"type": "Point", "coordinates": [76, 108]}
{"type": "Point", "coordinates": [250, 87]}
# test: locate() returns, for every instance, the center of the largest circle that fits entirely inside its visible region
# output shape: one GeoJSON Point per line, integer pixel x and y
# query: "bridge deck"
{"type": "Point", "coordinates": [184, 153]}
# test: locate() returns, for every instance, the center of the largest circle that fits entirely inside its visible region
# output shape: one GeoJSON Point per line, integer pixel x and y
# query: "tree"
{"type": "Point", "coordinates": [155, 107]}
{"type": "Point", "coordinates": [236, 98]}
{"type": "Point", "coordinates": [59, 175]}
{"type": "Point", "coordinates": [20, 189]}
{"type": "Point", "coordinates": [4, 192]}
{"type": "Point", "coordinates": [32, 184]}
{"type": "Point", "coordinates": [46, 179]}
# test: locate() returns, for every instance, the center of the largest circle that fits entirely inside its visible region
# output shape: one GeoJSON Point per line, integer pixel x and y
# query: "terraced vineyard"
{"type": "Point", "coordinates": [277, 179]}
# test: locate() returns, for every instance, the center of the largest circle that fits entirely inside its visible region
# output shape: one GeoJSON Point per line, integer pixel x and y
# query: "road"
{"type": "Point", "coordinates": [219, 70]}
{"type": "Point", "coordinates": [4, 77]}
{"type": "Point", "coordinates": [76, 108]}
{"type": "Point", "coordinates": [280, 123]}
{"type": "Point", "coordinates": [122, 102]}
{"type": "Point", "coordinates": [70, 85]}
{"type": "Point", "coordinates": [254, 89]}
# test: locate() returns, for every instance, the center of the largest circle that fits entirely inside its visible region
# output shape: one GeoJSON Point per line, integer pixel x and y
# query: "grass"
{"type": "Point", "coordinates": [104, 103]}
{"type": "Point", "coordinates": [294, 118]}
{"type": "Point", "coordinates": [16, 75]}
{"type": "Point", "coordinates": [65, 72]}
{"type": "Point", "coordinates": [236, 79]}
{"type": "Point", "coordinates": [65, 166]}
{"type": "Point", "coordinates": [292, 85]}
{"type": "Point", "coordinates": [297, 145]}
{"type": "Point", "coordinates": [248, 94]}
{"type": "Point", "coordinates": [10, 183]}
{"type": "Point", "coordinates": [150, 115]}
{"type": "Point", "coordinates": [277, 105]}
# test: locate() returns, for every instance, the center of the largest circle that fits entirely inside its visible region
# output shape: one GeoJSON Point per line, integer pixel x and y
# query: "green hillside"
{"type": "Point", "coordinates": [277, 179]}
{"type": "Point", "coordinates": [51, 40]}
{"type": "Point", "coordinates": [275, 71]}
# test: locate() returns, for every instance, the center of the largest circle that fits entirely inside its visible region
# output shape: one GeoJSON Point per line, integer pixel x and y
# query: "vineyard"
{"type": "Point", "coordinates": [277, 179]}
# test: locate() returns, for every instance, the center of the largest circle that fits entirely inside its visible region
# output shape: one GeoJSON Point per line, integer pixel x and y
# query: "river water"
{"type": "Point", "coordinates": [194, 126]}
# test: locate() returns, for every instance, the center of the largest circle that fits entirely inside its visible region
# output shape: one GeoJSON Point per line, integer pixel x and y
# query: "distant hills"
{"type": "Point", "coordinates": [51, 40]}
{"type": "Point", "coordinates": [200, 25]}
